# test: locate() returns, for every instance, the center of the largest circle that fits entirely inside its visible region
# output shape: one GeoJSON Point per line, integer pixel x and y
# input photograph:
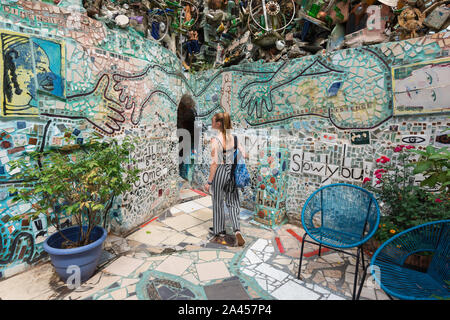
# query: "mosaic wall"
{"type": "Point", "coordinates": [334, 111]}
{"type": "Point", "coordinates": [65, 76]}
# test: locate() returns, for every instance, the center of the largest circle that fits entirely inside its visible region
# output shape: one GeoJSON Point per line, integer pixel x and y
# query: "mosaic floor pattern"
{"type": "Point", "coordinates": [171, 258]}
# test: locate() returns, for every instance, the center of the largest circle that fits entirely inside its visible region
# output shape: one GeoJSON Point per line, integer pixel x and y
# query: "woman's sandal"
{"type": "Point", "coordinates": [239, 240]}
{"type": "Point", "coordinates": [219, 239]}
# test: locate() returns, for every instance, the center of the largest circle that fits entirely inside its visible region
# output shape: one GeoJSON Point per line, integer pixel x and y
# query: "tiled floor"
{"type": "Point", "coordinates": [171, 258]}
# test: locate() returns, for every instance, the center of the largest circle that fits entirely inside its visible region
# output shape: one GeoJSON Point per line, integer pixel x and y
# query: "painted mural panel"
{"type": "Point", "coordinates": [18, 88]}
{"type": "Point", "coordinates": [49, 57]}
{"type": "Point", "coordinates": [29, 64]}
{"type": "Point", "coordinates": [422, 87]}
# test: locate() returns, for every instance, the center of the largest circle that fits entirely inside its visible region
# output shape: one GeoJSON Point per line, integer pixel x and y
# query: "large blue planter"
{"type": "Point", "coordinates": [86, 257]}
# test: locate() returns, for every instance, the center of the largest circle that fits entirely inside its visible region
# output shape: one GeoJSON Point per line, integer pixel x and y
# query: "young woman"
{"type": "Point", "coordinates": [222, 155]}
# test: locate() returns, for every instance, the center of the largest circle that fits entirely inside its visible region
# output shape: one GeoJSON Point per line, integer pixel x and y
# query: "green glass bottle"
{"type": "Point", "coordinates": [314, 10]}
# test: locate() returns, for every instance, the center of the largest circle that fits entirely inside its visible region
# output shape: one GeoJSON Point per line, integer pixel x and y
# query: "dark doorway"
{"type": "Point", "coordinates": [186, 120]}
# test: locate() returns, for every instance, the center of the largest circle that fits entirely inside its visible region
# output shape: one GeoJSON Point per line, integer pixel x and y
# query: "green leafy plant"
{"type": "Point", "coordinates": [434, 164]}
{"type": "Point", "coordinates": [80, 182]}
{"type": "Point", "coordinates": [404, 204]}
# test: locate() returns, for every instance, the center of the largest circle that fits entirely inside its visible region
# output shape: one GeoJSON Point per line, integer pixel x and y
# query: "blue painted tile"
{"type": "Point", "coordinates": [21, 124]}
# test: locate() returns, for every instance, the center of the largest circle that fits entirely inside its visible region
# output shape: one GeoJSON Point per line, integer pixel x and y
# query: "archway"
{"type": "Point", "coordinates": [186, 120]}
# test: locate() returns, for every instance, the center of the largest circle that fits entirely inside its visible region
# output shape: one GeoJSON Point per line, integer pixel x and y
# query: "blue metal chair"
{"type": "Point", "coordinates": [388, 263]}
{"type": "Point", "coordinates": [340, 216]}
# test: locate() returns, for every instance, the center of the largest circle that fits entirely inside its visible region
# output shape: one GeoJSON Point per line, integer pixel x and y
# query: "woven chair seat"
{"type": "Point", "coordinates": [396, 279]}
{"type": "Point", "coordinates": [335, 238]}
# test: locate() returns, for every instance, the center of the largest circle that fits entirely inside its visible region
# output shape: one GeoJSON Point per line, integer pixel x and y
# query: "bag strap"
{"type": "Point", "coordinates": [233, 167]}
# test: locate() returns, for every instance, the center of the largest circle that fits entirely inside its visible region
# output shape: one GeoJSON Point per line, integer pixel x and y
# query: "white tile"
{"type": "Point", "coordinates": [198, 231]}
{"type": "Point", "coordinates": [321, 290]}
{"type": "Point", "coordinates": [269, 249]}
{"type": "Point", "coordinates": [174, 210]}
{"type": "Point", "coordinates": [262, 283]}
{"type": "Point", "coordinates": [259, 245]}
{"type": "Point", "coordinates": [283, 261]}
{"type": "Point", "coordinates": [182, 222]}
{"type": "Point", "coordinates": [248, 272]}
{"type": "Point", "coordinates": [252, 257]}
{"type": "Point", "coordinates": [187, 194]}
{"type": "Point", "coordinates": [294, 291]}
{"type": "Point", "coordinates": [335, 297]}
{"type": "Point", "coordinates": [27, 285]}
{"type": "Point", "coordinates": [174, 239]}
{"type": "Point", "coordinates": [152, 235]}
{"type": "Point", "coordinates": [192, 240]}
{"type": "Point", "coordinates": [144, 267]}
{"type": "Point", "coordinates": [212, 270]}
{"type": "Point", "coordinates": [119, 294]}
{"type": "Point", "coordinates": [189, 206]}
{"type": "Point", "coordinates": [205, 201]}
{"type": "Point", "coordinates": [271, 272]}
{"type": "Point", "coordinates": [174, 265]}
{"type": "Point", "coordinates": [190, 277]}
{"type": "Point", "coordinates": [266, 256]}
{"type": "Point", "coordinates": [203, 214]}
{"type": "Point", "coordinates": [123, 266]}
{"type": "Point", "coordinates": [14, 270]}
{"type": "Point", "coordinates": [226, 255]}
{"type": "Point", "coordinates": [128, 282]}
{"type": "Point", "coordinates": [207, 255]}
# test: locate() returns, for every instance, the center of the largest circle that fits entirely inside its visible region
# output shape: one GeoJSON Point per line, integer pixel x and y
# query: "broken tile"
{"type": "Point", "coordinates": [294, 291]}
{"type": "Point", "coordinates": [174, 265]}
{"type": "Point", "coordinates": [212, 270]}
{"type": "Point", "coordinates": [123, 266]}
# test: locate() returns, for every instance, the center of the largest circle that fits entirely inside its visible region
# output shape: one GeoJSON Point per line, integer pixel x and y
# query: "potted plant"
{"type": "Point", "coordinates": [80, 183]}
{"type": "Point", "coordinates": [404, 203]}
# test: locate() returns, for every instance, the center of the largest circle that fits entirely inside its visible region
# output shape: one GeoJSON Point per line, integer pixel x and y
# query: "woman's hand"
{"type": "Point", "coordinates": [206, 187]}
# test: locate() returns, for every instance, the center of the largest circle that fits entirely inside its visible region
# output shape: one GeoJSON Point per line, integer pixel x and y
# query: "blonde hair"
{"type": "Point", "coordinates": [225, 124]}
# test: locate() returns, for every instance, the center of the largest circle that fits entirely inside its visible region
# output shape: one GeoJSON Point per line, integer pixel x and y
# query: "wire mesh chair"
{"type": "Point", "coordinates": [388, 263]}
{"type": "Point", "coordinates": [340, 216]}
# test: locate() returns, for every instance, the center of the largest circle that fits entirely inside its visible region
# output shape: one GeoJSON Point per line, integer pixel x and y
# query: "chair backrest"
{"type": "Point", "coordinates": [439, 267]}
{"type": "Point", "coordinates": [432, 236]}
{"type": "Point", "coordinates": [342, 208]}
